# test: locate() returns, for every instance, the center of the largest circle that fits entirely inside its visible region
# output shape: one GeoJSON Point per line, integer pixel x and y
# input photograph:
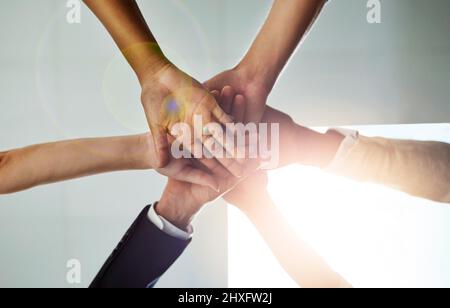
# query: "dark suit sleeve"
{"type": "Point", "coordinates": [141, 258]}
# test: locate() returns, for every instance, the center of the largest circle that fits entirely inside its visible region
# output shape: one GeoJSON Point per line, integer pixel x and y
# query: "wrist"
{"type": "Point", "coordinates": [164, 77]}
{"type": "Point", "coordinates": [332, 142]}
{"type": "Point", "coordinates": [257, 73]}
{"type": "Point", "coordinates": [143, 152]}
{"type": "Point", "coordinates": [178, 214]}
{"type": "Point", "coordinates": [146, 59]}
{"type": "Point", "coordinates": [316, 149]}
{"type": "Point", "coordinates": [124, 153]}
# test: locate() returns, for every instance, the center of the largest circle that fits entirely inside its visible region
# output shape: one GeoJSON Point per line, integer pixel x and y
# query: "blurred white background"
{"type": "Point", "coordinates": [372, 235]}
{"type": "Point", "coordinates": [59, 80]}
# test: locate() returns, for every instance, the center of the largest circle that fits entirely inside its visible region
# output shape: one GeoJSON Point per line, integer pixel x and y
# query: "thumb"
{"type": "Point", "coordinates": [214, 83]}
{"type": "Point", "coordinates": [161, 145]}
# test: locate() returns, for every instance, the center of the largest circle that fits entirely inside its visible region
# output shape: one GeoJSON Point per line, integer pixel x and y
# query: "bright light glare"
{"type": "Point", "coordinates": [372, 235]}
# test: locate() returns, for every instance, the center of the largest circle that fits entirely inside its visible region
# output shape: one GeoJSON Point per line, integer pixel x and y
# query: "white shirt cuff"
{"type": "Point", "coordinates": [351, 137]}
{"type": "Point", "coordinates": [165, 226]}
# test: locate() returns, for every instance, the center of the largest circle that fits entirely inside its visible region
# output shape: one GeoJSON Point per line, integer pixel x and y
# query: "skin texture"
{"type": "Point", "coordinates": [77, 158]}
{"type": "Point", "coordinates": [228, 174]}
{"type": "Point", "coordinates": [298, 144]}
{"type": "Point", "coordinates": [194, 197]}
{"type": "Point", "coordinates": [196, 182]}
{"type": "Point", "coordinates": [168, 95]}
{"type": "Point", "coordinates": [251, 196]}
{"type": "Point", "coordinates": [71, 159]}
{"type": "Point", "coordinates": [255, 76]}
{"type": "Point", "coordinates": [301, 145]}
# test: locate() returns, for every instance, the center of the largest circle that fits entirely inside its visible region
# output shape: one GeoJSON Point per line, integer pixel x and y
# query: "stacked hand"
{"type": "Point", "coordinates": [227, 172]}
{"type": "Point", "coordinates": [242, 81]}
{"type": "Point", "coordinates": [237, 182]}
{"type": "Point", "coordinates": [169, 97]}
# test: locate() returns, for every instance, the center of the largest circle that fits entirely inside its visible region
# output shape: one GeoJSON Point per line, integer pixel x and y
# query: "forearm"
{"type": "Point", "coordinates": [419, 168]}
{"type": "Point", "coordinates": [415, 167]}
{"type": "Point", "coordinates": [287, 24]}
{"type": "Point", "coordinates": [47, 163]}
{"type": "Point", "coordinates": [315, 149]}
{"type": "Point", "coordinates": [301, 145]}
{"type": "Point", "coordinates": [127, 26]}
{"type": "Point", "coordinates": [297, 258]}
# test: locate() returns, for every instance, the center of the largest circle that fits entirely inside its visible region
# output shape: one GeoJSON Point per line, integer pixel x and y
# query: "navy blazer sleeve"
{"type": "Point", "coordinates": [141, 258]}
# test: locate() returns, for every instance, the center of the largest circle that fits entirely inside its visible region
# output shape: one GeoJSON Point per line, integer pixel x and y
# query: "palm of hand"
{"type": "Point", "coordinates": [166, 107]}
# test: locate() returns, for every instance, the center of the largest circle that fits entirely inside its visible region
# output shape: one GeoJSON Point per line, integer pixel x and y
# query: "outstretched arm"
{"type": "Point", "coordinates": [127, 26]}
{"type": "Point", "coordinates": [169, 96]}
{"type": "Point", "coordinates": [287, 24]}
{"type": "Point", "coordinates": [297, 258]}
{"type": "Point", "coordinates": [301, 145]}
{"type": "Point", "coordinates": [47, 163]}
{"type": "Point", "coordinates": [52, 162]}
{"type": "Point", "coordinates": [255, 76]}
{"type": "Point", "coordinates": [420, 168]}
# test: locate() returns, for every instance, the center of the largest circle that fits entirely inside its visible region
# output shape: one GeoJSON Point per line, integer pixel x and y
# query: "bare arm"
{"type": "Point", "coordinates": [169, 96]}
{"type": "Point", "coordinates": [301, 145]}
{"type": "Point", "coordinates": [420, 168]}
{"type": "Point", "coordinates": [52, 162]}
{"type": "Point", "coordinates": [255, 76]}
{"type": "Point", "coordinates": [287, 24]}
{"type": "Point", "coordinates": [296, 257]}
{"type": "Point", "coordinates": [127, 26]}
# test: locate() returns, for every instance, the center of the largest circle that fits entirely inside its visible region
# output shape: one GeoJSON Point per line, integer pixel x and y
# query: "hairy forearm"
{"type": "Point", "coordinates": [287, 24]}
{"type": "Point", "coordinates": [127, 26]}
{"type": "Point", "coordinates": [48, 163]}
{"type": "Point", "coordinates": [297, 258]}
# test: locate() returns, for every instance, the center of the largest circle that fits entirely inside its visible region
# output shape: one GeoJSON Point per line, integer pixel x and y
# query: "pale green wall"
{"type": "Point", "coordinates": [59, 81]}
